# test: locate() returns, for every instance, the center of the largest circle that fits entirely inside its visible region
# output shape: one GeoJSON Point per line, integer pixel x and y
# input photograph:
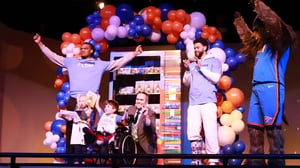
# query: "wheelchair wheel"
{"type": "Point", "coordinates": [128, 146]}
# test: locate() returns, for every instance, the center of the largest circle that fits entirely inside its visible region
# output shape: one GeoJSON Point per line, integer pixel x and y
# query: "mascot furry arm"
{"type": "Point", "coordinates": [277, 33]}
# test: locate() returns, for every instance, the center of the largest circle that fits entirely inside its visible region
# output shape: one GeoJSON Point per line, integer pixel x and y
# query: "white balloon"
{"type": "Point", "coordinates": [115, 20]}
{"type": "Point", "coordinates": [49, 134]}
{"type": "Point", "coordinates": [53, 145]}
{"type": "Point", "coordinates": [226, 135]}
{"type": "Point", "coordinates": [155, 36]}
{"type": "Point", "coordinates": [218, 53]}
{"type": "Point", "coordinates": [122, 32]}
{"type": "Point", "coordinates": [225, 119]}
{"type": "Point", "coordinates": [183, 35]}
{"type": "Point", "coordinates": [238, 126]}
{"type": "Point", "coordinates": [187, 27]}
{"type": "Point", "coordinates": [236, 115]}
{"type": "Point", "coordinates": [55, 138]}
{"type": "Point", "coordinates": [47, 142]}
{"type": "Point", "coordinates": [76, 50]}
{"type": "Point", "coordinates": [64, 51]}
{"type": "Point", "coordinates": [197, 19]}
{"type": "Point", "coordinates": [112, 30]}
{"type": "Point", "coordinates": [225, 67]}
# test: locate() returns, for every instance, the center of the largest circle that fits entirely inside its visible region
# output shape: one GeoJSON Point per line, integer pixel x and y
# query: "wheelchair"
{"type": "Point", "coordinates": [122, 142]}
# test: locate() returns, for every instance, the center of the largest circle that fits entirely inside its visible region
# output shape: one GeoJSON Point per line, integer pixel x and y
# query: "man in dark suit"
{"type": "Point", "coordinates": [143, 128]}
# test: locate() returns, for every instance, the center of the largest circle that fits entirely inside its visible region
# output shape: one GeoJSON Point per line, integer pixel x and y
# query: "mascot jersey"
{"type": "Point", "coordinates": [268, 88]}
{"type": "Point", "coordinates": [269, 67]}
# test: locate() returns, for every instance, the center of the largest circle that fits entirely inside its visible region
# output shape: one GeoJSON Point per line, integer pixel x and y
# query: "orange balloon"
{"type": "Point", "coordinates": [66, 36]}
{"type": "Point", "coordinates": [204, 35]}
{"type": "Point", "coordinates": [227, 107]}
{"type": "Point", "coordinates": [47, 125]}
{"type": "Point", "coordinates": [219, 35]}
{"type": "Point", "coordinates": [75, 38]}
{"type": "Point", "coordinates": [205, 28]}
{"type": "Point", "coordinates": [108, 11]}
{"type": "Point", "coordinates": [64, 44]}
{"type": "Point", "coordinates": [104, 23]}
{"type": "Point", "coordinates": [63, 129]}
{"type": "Point", "coordinates": [104, 46]}
{"type": "Point", "coordinates": [225, 82]}
{"type": "Point", "coordinates": [177, 27]}
{"type": "Point", "coordinates": [212, 30]}
{"type": "Point", "coordinates": [172, 38]}
{"type": "Point", "coordinates": [85, 33]}
{"type": "Point", "coordinates": [167, 27]}
{"type": "Point", "coordinates": [180, 15]}
{"type": "Point", "coordinates": [157, 12]}
{"type": "Point", "coordinates": [187, 19]}
{"type": "Point", "coordinates": [172, 15]}
{"type": "Point", "coordinates": [157, 23]}
{"type": "Point", "coordinates": [150, 18]}
{"type": "Point", "coordinates": [211, 38]}
{"type": "Point", "coordinates": [140, 39]}
{"type": "Point", "coordinates": [236, 96]}
{"type": "Point", "coordinates": [58, 83]}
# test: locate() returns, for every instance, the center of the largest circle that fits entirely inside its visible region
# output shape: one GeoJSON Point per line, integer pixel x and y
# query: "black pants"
{"type": "Point", "coordinates": [71, 105]}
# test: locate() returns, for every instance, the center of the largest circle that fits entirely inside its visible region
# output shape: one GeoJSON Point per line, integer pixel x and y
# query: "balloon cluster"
{"type": "Point", "coordinates": [54, 136]}
{"type": "Point", "coordinates": [166, 25]}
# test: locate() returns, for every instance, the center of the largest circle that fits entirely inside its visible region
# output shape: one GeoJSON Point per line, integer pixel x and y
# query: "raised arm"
{"type": "Point", "coordinates": [116, 64]}
{"type": "Point", "coordinates": [275, 26]}
{"type": "Point", "coordinates": [53, 57]}
{"type": "Point", "coordinates": [242, 28]}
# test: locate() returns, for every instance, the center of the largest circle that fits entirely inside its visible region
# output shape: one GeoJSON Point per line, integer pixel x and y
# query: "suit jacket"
{"type": "Point", "coordinates": [146, 134]}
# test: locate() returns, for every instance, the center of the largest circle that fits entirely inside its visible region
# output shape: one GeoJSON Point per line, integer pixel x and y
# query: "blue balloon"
{"type": "Point", "coordinates": [241, 109]}
{"type": "Point", "coordinates": [180, 45]}
{"type": "Point", "coordinates": [229, 52]}
{"type": "Point", "coordinates": [239, 147]}
{"type": "Point", "coordinates": [147, 30]}
{"type": "Point", "coordinates": [125, 12]}
{"type": "Point", "coordinates": [56, 127]}
{"type": "Point", "coordinates": [218, 44]}
{"type": "Point", "coordinates": [132, 25]}
{"type": "Point", "coordinates": [240, 57]}
{"type": "Point", "coordinates": [232, 63]}
{"type": "Point", "coordinates": [138, 19]}
{"type": "Point", "coordinates": [139, 29]}
{"type": "Point", "coordinates": [61, 142]}
{"type": "Point", "coordinates": [234, 162]}
{"type": "Point", "coordinates": [165, 8]}
{"type": "Point", "coordinates": [61, 103]}
{"type": "Point", "coordinates": [198, 33]}
{"type": "Point", "coordinates": [59, 71]}
{"type": "Point", "coordinates": [60, 150]}
{"type": "Point", "coordinates": [131, 32]}
{"type": "Point", "coordinates": [228, 149]}
{"type": "Point", "coordinates": [60, 95]}
{"type": "Point", "coordinates": [163, 38]}
{"type": "Point", "coordinates": [65, 86]}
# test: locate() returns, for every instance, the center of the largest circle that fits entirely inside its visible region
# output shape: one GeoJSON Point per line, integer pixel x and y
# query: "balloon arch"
{"type": "Point", "coordinates": [162, 24]}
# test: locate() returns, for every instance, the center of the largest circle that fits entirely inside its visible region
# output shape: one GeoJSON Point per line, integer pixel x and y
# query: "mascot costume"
{"type": "Point", "coordinates": [269, 44]}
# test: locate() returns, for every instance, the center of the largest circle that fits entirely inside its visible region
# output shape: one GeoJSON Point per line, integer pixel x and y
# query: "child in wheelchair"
{"type": "Point", "coordinates": [105, 132]}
